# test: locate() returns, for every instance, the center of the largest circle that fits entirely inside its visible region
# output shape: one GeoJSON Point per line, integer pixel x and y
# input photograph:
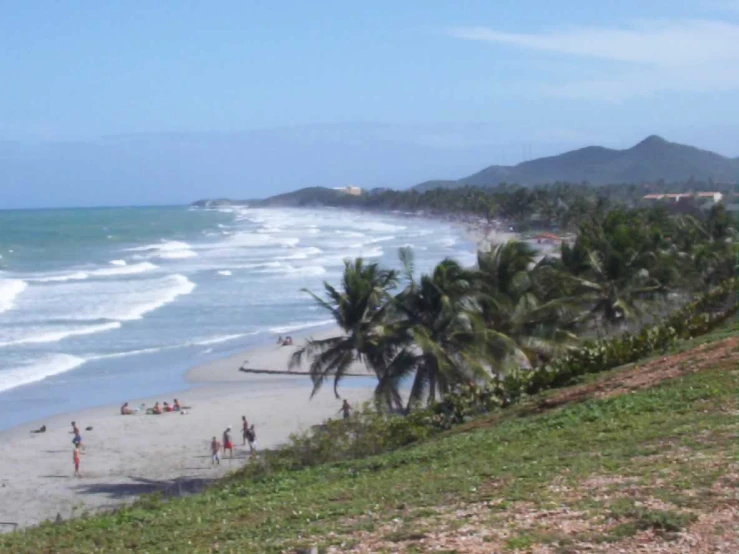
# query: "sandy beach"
{"type": "Point", "coordinates": [126, 456]}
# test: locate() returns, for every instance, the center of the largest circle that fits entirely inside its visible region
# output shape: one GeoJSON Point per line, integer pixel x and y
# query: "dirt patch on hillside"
{"type": "Point", "coordinates": [647, 375]}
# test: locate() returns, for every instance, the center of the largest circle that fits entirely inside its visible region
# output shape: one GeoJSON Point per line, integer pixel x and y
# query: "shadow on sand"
{"type": "Point", "coordinates": [181, 486]}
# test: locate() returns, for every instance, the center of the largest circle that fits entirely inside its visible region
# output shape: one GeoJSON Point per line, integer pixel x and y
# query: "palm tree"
{"type": "Point", "coordinates": [517, 301]}
{"type": "Point", "coordinates": [444, 342]}
{"type": "Point", "coordinates": [360, 309]}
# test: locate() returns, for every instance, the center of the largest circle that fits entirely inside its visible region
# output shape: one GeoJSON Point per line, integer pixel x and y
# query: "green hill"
{"type": "Point", "coordinates": [641, 458]}
{"type": "Point", "coordinates": [651, 160]}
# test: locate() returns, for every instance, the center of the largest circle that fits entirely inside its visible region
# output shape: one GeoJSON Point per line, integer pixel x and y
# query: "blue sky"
{"type": "Point", "coordinates": [517, 76]}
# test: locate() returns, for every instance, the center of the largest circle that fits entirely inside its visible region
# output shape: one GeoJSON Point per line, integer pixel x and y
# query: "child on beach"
{"type": "Point", "coordinates": [76, 460]}
{"type": "Point", "coordinates": [215, 448]}
{"type": "Point", "coordinates": [227, 444]}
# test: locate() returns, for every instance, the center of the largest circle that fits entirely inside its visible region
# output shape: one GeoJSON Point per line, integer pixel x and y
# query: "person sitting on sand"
{"type": "Point", "coordinates": [279, 340]}
{"type": "Point", "coordinates": [157, 410]}
{"type": "Point", "coordinates": [176, 406]}
{"type": "Point", "coordinates": [76, 460]}
{"type": "Point", "coordinates": [287, 342]}
{"type": "Point", "coordinates": [125, 410]}
{"type": "Point", "coordinates": [227, 444]}
{"type": "Point", "coordinates": [167, 407]}
{"type": "Point", "coordinates": [215, 458]}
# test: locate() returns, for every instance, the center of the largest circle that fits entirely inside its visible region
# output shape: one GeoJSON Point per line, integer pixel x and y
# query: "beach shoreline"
{"type": "Point", "coordinates": [126, 456]}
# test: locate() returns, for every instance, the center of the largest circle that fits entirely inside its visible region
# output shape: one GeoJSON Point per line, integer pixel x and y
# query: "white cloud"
{"type": "Point", "coordinates": [663, 43]}
{"type": "Point", "coordinates": [625, 85]}
{"type": "Point", "coordinates": [647, 57]}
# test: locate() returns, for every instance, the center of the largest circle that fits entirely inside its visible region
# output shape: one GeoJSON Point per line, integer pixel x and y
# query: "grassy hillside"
{"type": "Point", "coordinates": [641, 456]}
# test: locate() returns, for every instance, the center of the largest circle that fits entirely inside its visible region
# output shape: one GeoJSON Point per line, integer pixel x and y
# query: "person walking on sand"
{"type": "Point", "coordinates": [215, 447]}
{"type": "Point", "coordinates": [244, 429]}
{"type": "Point", "coordinates": [346, 409]}
{"type": "Point", "coordinates": [251, 436]}
{"type": "Point", "coordinates": [227, 444]}
{"type": "Point", "coordinates": [76, 460]}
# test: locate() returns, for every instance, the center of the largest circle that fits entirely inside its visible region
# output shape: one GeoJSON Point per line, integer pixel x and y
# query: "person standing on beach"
{"type": "Point", "coordinates": [76, 460]}
{"type": "Point", "coordinates": [346, 409]}
{"type": "Point", "coordinates": [227, 444]}
{"type": "Point", "coordinates": [214, 452]}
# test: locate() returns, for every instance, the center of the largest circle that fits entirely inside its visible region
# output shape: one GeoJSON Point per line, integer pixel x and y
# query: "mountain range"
{"type": "Point", "coordinates": [651, 160]}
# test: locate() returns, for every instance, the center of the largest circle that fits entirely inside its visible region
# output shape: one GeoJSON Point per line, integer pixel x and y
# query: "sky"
{"type": "Point", "coordinates": [451, 86]}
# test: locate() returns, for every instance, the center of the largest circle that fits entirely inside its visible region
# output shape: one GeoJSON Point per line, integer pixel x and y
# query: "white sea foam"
{"type": "Point", "coordinates": [287, 270]}
{"type": "Point", "coordinates": [300, 326]}
{"type": "Point", "coordinates": [177, 255]}
{"type": "Point", "coordinates": [115, 271]}
{"type": "Point", "coordinates": [302, 254]}
{"type": "Point", "coordinates": [111, 300]}
{"type": "Point", "coordinates": [134, 269]}
{"type": "Point", "coordinates": [137, 304]}
{"type": "Point", "coordinates": [258, 240]}
{"type": "Point", "coordinates": [165, 250]}
{"type": "Point", "coordinates": [219, 340]}
{"type": "Point", "coordinates": [38, 370]}
{"type": "Point", "coordinates": [138, 352]}
{"type": "Point", "coordinates": [38, 335]}
{"type": "Point", "coordinates": [380, 239]}
{"type": "Point", "coordinates": [9, 290]}
{"type": "Point", "coordinates": [75, 276]}
{"type": "Point", "coordinates": [378, 226]}
{"type": "Point", "coordinates": [131, 353]}
{"type": "Point", "coordinates": [117, 262]}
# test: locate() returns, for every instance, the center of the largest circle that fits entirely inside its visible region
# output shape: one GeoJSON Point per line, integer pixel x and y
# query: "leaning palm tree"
{"type": "Point", "coordinates": [360, 308]}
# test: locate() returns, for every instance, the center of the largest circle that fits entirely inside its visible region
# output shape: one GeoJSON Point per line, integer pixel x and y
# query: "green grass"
{"type": "Point", "coordinates": [511, 464]}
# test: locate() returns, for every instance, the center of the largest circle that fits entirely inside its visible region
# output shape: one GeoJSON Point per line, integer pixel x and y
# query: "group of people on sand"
{"type": "Point", "coordinates": [158, 408]}
{"type": "Point", "coordinates": [248, 434]}
{"type": "Point", "coordinates": [287, 341]}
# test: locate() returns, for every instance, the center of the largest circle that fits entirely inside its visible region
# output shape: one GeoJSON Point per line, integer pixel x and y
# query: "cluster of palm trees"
{"type": "Point", "coordinates": [561, 204]}
{"type": "Point", "coordinates": [422, 336]}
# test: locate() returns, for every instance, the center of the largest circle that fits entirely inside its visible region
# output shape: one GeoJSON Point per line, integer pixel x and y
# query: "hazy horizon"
{"type": "Point", "coordinates": [164, 104]}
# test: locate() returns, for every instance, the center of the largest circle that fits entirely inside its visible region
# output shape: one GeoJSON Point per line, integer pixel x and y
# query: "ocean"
{"type": "Point", "coordinates": [102, 305]}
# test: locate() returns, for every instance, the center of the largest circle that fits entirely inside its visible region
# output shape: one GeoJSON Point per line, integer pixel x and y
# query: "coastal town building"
{"type": "Point", "coordinates": [354, 191]}
{"type": "Point", "coordinates": [714, 197]}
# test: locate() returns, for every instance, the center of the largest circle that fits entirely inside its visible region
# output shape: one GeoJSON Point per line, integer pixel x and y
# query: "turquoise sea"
{"type": "Point", "coordinates": [102, 305]}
